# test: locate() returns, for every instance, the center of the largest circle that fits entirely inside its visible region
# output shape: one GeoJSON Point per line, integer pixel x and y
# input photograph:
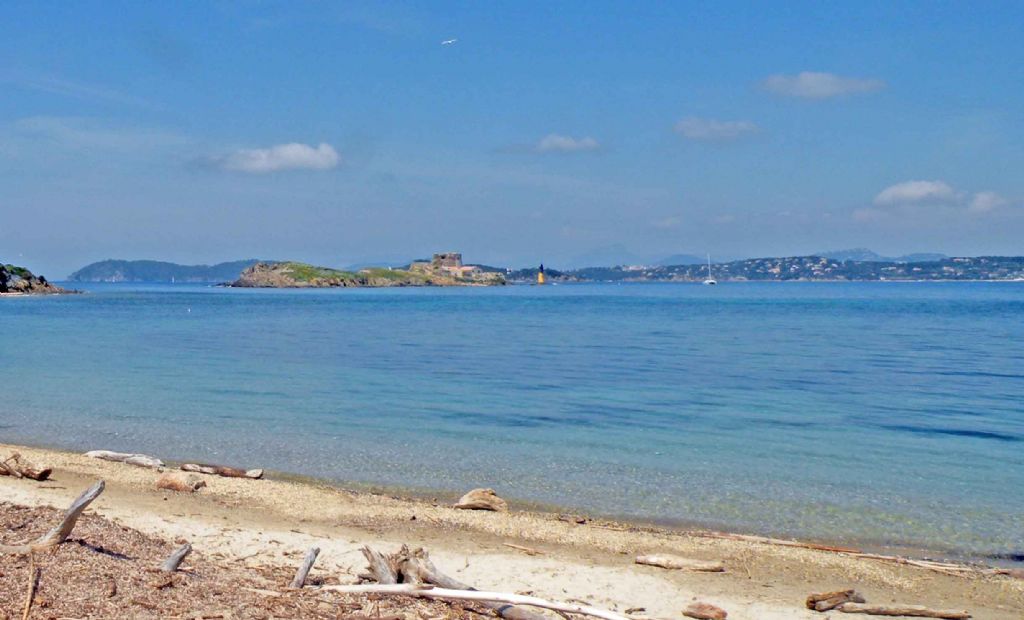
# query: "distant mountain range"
{"type": "Point", "coordinates": [157, 271]}
{"type": "Point", "coordinates": [619, 255]}
{"type": "Point", "coordinates": [867, 256]}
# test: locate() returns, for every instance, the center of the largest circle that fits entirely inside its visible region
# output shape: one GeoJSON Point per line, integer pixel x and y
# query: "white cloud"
{"type": "Point", "coordinates": [915, 192]}
{"type": "Point", "coordinates": [817, 85]}
{"type": "Point", "coordinates": [911, 198]}
{"type": "Point", "coordinates": [693, 128]}
{"type": "Point", "coordinates": [984, 202]}
{"type": "Point", "coordinates": [554, 143]}
{"type": "Point", "coordinates": [292, 156]}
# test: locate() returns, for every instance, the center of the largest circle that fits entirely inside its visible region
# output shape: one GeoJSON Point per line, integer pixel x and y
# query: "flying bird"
{"type": "Point", "coordinates": [448, 41]}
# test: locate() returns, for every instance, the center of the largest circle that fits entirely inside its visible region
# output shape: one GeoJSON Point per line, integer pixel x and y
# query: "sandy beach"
{"type": "Point", "coordinates": [272, 522]}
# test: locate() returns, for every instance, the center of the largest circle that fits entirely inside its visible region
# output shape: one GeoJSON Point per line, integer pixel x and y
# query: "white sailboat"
{"type": "Point", "coordinates": [710, 279]}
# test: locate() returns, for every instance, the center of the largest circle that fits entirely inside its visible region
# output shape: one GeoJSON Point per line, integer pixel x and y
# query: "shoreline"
{"type": "Point", "coordinates": [242, 519]}
{"type": "Point", "coordinates": [667, 525]}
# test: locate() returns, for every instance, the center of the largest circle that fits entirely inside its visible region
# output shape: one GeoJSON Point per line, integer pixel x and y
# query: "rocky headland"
{"type": "Point", "coordinates": [16, 280]}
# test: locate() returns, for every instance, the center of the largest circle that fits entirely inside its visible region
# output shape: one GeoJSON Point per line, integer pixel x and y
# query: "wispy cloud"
{"type": "Point", "coordinates": [911, 198]}
{"type": "Point", "coordinates": [818, 85]}
{"type": "Point", "coordinates": [671, 222]}
{"type": "Point", "coordinates": [74, 89]}
{"type": "Point", "coordinates": [711, 130]}
{"type": "Point", "coordinates": [916, 192]}
{"type": "Point", "coordinates": [292, 156]}
{"type": "Point", "coordinates": [91, 133]}
{"type": "Point", "coordinates": [986, 202]}
{"type": "Point", "coordinates": [555, 143]}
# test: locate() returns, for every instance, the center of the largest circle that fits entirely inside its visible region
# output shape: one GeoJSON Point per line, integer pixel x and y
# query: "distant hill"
{"type": "Point", "coordinates": [866, 255]}
{"type": "Point", "coordinates": [157, 271]}
{"type": "Point", "coordinates": [682, 259]}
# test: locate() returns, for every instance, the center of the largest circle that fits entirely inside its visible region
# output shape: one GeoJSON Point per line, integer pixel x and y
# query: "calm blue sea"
{"type": "Point", "coordinates": [886, 414]}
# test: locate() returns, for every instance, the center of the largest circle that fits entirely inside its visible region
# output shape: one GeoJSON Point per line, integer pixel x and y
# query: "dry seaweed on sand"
{"type": "Point", "coordinates": [105, 570]}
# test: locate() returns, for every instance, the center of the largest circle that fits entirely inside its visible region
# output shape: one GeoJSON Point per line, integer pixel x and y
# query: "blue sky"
{"type": "Point", "coordinates": [345, 132]}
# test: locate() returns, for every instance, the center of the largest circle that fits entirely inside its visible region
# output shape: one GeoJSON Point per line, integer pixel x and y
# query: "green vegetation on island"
{"type": "Point", "coordinates": [442, 270]}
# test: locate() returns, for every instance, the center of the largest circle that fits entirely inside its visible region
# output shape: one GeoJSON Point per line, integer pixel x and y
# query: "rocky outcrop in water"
{"type": "Point", "coordinates": [18, 280]}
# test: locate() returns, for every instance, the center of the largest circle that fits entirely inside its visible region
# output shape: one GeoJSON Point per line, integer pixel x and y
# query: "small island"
{"type": "Point", "coordinates": [442, 270]}
{"type": "Point", "coordinates": [16, 280]}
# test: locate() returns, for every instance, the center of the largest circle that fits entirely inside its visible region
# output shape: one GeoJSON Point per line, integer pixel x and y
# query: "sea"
{"type": "Point", "coordinates": [886, 415]}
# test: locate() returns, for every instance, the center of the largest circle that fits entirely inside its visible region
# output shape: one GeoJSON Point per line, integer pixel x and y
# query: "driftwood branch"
{"type": "Point", "coordinates": [948, 568]}
{"type": "Point", "coordinates": [416, 567]}
{"type": "Point", "coordinates": [307, 565]}
{"type": "Point", "coordinates": [61, 532]}
{"type": "Point", "coordinates": [33, 585]}
{"type": "Point", "coordinates": [174, 560]}
{"type": "Point", "coordinates": [139, 460]}
{"type": "Point", "coordinates": [824, 601]}
{"type": "Point", "coordinates": [428, 591]}
{"type": "Point", "coordinates": [15, 466]}
{"type": "Point", "coordinates": [774, 541]}
{"type": "Point", "coordinates": [914, 611]}
{"type": "Point", "coordinates": [526, 550]}
{"type": "Point", "coordinates": [676, 562]}
{"type": "Point", "coordinates": [380, 567]}
{"type": "Point", "coordinates": [221, 470]}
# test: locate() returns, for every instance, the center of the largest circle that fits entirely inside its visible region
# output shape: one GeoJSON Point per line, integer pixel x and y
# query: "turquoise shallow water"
{"type": "Point", "coordinates": [879, 413]}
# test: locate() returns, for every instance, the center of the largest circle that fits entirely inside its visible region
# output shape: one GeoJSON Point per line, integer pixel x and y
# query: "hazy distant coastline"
{"type": "Point", "coordinates": [159, 271]}
{"type": "Point", "coordinates": [864, 266]}
{"type": "Point", "coordinates": [798, 268]}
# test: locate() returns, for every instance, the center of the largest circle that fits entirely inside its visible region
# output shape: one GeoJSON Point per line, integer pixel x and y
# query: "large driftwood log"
{"type": "Point", "coordinates": [18, 467]}
{"type": "Point", "coordinates": [428, 591]}
{"type": "Point", "coordinates": [705, 611]}
{"type": "Point", "coordinates": [416, 567]}
{"type": "Point", "coordinates": [221, 470]}
{"type": "Point", "coordinates": [676, 562]}
{"type": "Point", "coordinates": [381, 567]}
{"type": "Point", "coordinates": [824, 601]}
{"type": "Point", "coordinates": [307, 564]}
{"type": "Point", "coordinates": [61, 532]}
{"type": "Point", "coordinates": [914, 611]}
{"type": "Point", "coordinates": [482, 499]}
{"type": "Point", "coordinates": [174, 560]}
{"type": "Point", "coordinates": [139, 460]}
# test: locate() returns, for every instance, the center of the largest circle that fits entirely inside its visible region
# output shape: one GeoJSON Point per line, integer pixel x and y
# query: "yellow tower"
{"type": "Point", "coordinates": [540, 274]}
